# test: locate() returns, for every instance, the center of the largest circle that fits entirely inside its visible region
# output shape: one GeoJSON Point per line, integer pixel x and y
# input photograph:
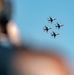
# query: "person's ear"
{"type": "Point", "coordinates": [13, 33]}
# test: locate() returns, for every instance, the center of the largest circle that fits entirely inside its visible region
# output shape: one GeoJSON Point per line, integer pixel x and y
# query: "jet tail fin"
{"type": "Point", "coordinates": [62, 25]}
{"type": "Point", "coordinates": [57, 33]}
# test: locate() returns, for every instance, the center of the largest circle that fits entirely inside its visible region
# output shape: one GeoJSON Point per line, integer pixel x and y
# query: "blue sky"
{"type": "Point", "coordinates": [31, 16]}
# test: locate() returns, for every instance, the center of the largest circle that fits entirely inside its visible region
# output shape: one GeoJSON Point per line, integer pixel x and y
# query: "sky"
{"type": "Point", "coordinates": [31, 16]}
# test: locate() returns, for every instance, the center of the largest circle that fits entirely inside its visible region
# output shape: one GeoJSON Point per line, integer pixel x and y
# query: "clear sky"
{"type": "Point", "coordinates": [31, 16]}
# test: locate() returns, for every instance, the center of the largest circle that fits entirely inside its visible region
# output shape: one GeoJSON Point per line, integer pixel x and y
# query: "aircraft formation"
{"type": "Point", "coordinates": [57, 26]}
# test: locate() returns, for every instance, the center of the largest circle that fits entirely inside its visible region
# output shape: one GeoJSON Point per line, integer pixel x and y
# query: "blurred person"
{"type": "Point", "coordinates": [9, 34]}
{"type": "Point", "coordinates": [29, 62]}
{"type": "Point", "coordinates": [24, 61]}
{"type": "Point", "coordinates": [8, 29]}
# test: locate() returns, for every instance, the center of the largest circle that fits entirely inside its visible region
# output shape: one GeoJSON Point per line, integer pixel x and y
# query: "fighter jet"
{"type": "Point", "coordinates": [54, 34]}
{"type": "Point", "coordinates": [46, 28]}
{"type": "Point", "coordinates": [58, 25]}
{"type": "Point", "coordinates": [50, 19]}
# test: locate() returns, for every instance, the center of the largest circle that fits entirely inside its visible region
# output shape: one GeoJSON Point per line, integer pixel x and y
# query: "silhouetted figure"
{"type": "Point", "coordinates": [8, 34]}
{"type": "Point", "coordinates": [59, 25]}
{"type": "Point", "coordinates": [50, 19]}
{"type": "Point", "coordinates": [46, 29]}
{"type": "Point", "coordinates": [8, 29]}
{"type": "Point", "coordinates": [5, 14]}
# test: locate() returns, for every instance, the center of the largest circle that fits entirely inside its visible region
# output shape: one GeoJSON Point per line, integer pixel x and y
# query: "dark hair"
{"type": "Point", "coordinates": [5, 14]}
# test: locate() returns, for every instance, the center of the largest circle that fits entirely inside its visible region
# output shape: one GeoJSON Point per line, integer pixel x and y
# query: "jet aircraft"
{"type": "Point", "coordinates": [58, 25]}
{"type": "Point", "coordinates": [50, 19]}
{"type": "Point", "coordinates": [46, 28]}
{"type": "Point", "coordinates": [54, 34]}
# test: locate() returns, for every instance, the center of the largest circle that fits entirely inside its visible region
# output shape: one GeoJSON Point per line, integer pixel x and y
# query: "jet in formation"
{"type": "Point", "coordinates": [46, 28]}
{"type": "Point", "coordinates": [58, 25]}
{"type": "Point", "coordinates": [54, 34]}
{"type": "Point", "coordinates": [50, 19]}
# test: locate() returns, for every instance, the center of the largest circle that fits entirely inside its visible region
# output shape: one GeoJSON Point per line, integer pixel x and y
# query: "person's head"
{"type": "Point", "coordinates": [5, 14]}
